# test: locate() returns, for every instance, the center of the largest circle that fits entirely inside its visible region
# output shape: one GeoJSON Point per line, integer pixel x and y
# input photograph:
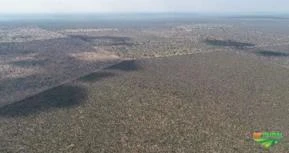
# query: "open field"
{"type": "Point", "coordinates": [198, 86]}
{"type": "Point", "coordinates": [29, 66]}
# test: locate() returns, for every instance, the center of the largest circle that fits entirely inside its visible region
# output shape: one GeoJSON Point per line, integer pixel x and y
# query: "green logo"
{"type": "Point", "coordinates": [267, 139]}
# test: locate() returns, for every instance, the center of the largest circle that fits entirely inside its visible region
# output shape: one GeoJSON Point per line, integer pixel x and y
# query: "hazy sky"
{"type": "Point", "coordinates": [75, 6]}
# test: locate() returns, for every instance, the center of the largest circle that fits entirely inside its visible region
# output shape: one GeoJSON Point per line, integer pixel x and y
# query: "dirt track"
{"type": "Point", "coordinates": [27, 68]}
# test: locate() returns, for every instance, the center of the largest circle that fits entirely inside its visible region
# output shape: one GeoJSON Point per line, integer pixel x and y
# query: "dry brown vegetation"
{"type": "Point", "coordinates": [199, 103]}
{"type": "Point", "coordinates": [27, 68]}
{"type": "Point", "coordinates": [204, 88]}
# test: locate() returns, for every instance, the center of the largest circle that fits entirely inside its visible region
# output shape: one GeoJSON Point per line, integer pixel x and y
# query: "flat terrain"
{"type": "Point", "coordinates": [189, 84]}
{"type": "Point", "coordinates": [206, 102]}
{"type": "Point", "coordinates": [34, 58]}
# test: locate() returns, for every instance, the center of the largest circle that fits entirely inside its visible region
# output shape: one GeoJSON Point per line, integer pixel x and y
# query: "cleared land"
{"type": "Point", "coordinates": [34, 59]}
{"type": "Point", "coordinates": [206, 102]}
{"type": "Point", "coordinates": [41, 61]}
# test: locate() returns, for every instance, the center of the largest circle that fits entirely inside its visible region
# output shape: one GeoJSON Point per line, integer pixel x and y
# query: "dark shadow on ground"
{"type": "Point", "coordinates": [44, 63]}
{"type": "Point", "coordinates": [21, 83]}
{"type": "Point", "coordinates": [228, 43]}
{"type": "Point", "coordinates": [105, 40]}
{"type": "Point", "coordinates": [58, 97]}
{"type": "Point", "coordinates": [43, 47]}
{"type": "Point", "coordinates": [28, 63]}
{"type": "Point", "coordinates": [113, 38]}
{"type": "Point", "coordinates": [267, 53]}
{"type": "Point", "coordinates": [129, 65]}
{"type": "Point", "coordinates": [9, 49]}
{"type": "Point", "coordinates": [93, 77]}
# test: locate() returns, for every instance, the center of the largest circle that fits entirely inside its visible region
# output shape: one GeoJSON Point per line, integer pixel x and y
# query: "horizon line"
{"type": "Point", "coordinates": [146, 12]}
